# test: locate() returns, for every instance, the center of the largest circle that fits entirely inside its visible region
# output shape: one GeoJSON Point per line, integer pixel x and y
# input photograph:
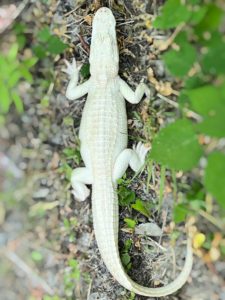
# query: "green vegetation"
{"type": "Point", "coordinates": [14, 70]}
{"type": "Point", "coordinates": [16, 66]}
{"type": "Point", "coordinates": [125, 257]}
{"type": "Point", "coordinates": [48, 44]}
{"type": "Point", "coordinates": [197, 59]}
{"type": "Point", "coordinates": [71, 275]}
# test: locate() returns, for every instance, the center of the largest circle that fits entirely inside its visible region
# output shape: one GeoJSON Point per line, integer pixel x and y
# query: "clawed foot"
{"type": "Point", "coordinates": [80, 190]}
{"type": "Point", "coordinates": [141, 151]}
{"type": "Point", "coordinates": [72, 68]}
{"type": "Point", "coordinates": [81, 195]}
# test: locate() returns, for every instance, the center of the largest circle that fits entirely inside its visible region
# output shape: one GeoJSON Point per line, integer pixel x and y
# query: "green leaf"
{"type": "Point", "coordinates": [19, 28]}
{"type": "Point", "coordinates": [173, 13]}
{"type": "Point", "coordinates": [12, 54]}
{"type": "Point", "coordinates": [198, 14]}
{"type": "Point", "coordinates": [126, 196]}
{"type": "Point", "coordinates": [73, 153]}
{"type": "Point", "coordinates": [25, 73]}
{"type": "Point", "coordinates": [196, 191]}
{"type": "Point", "coordinates": [44, 34]}
{"type": "Point", "coordinates": [214, 177]}
{"type": "Point", "coordinates": [21, 40]}
{"type": "Point", "coordinates": [211, 20]}
{"type": "Point", "coordinates": [179, 62]}
{"type": "Point", "coordinates": [179, 213]}
{"type": "Point", "coordinates": [40, 51]}
{"type": "Point", "coordinates": [127, 245]}
{"type": "Point", "coordinates": [5, 99]}
{"type": "Point", "coordinates": [67, 170]}
{"type": "Point", "coordinates": [125, 258]}
{"type": "Point", "coordinates": [204, 100]}
{"type": "Point", "coordinates": [213, 61]}
{"type": "Point", "coordinates": [17, 101]}
{"type": "Point", "coordinates": [214, 125]}
{"type": "Point", "coordinates": [140, 207]}
{"type": "Point", "coordinates": [130, 222]}
{"type": "Point", "coordinates": [55, 45]}
{"type": "Point", "coordinates": [85, 70]}
{"type": "Point", "coordinates": [30, 62]}
{"type": "Point", "coordinates": [176, 146]}
{"type": "Point", "coordinates": [68, 121]}
{"type": "Point", "coordinates": [73, 263]}
{"type": "Point", "coordinates": [194, 81]}
{"type": "Point", "coordinates": [36, 256]}
{"type": "Point", "coordinates": [14, 78]}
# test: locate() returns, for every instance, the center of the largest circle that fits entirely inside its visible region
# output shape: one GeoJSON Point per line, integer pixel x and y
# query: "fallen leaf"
{"type": "Point", "coordinates": [164, 88]}
{"type": "Point", "coordinates": [148, 23]}
{"type": "Point", "coordinates": [55, 161]}
{"type": "Point", "coordinates": [88, 19]}
{"type": "Point", "coordinates": [214, 254]}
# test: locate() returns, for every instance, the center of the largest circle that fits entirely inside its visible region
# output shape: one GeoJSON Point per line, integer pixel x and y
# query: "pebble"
{"type": "Point", "coordinates": [42, 193]}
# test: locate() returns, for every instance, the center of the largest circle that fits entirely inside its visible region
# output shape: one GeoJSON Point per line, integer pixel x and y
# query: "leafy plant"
{"type": "Point", "coordinates": [125, 257]}
{"type": "Point", "coordinates": [140, 206]}
{"type": "Point", "coordinates": [48, 44]}
{"type": "Point", "coordinates": [130, 222]}
{"type": "Point", "coordinates": [14, 70]}
{"type": "Point", "coordinates": [126, 196]}
{"type": "Point", "coordinates": [198, 59]}
{"type": "Point", "coordinates": [71, 275]}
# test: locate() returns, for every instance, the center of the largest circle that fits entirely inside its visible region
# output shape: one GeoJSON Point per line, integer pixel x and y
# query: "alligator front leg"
{"type": "Point", "coordinates": [130, 95]}
{"type": "Point", "coordinates": [75, 91]}
{"type": "Point", "coordinates": [134, 158]}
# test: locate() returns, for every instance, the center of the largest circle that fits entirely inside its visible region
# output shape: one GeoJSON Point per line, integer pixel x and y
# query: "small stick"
{"type": "Point", "coordinates": [84, 44]}
{"type": "Point", "coordinates": [176, 105]}
{"type": "Point", "coordinates": [36, 279]}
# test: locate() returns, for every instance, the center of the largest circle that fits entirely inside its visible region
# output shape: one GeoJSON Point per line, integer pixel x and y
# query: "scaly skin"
{"type": "Point", "coordinates": [103, 136]}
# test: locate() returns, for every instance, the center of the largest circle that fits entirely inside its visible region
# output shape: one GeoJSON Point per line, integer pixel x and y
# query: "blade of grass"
{"type": "Point", "coordinates": [162, 186]}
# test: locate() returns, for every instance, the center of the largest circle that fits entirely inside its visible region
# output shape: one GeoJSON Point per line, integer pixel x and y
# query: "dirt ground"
{"type": "Point", "coordinates": [42, 227]}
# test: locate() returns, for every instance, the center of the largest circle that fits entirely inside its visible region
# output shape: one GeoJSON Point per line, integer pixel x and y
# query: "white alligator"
{"type": "Point", "coordinates": [103, 136]}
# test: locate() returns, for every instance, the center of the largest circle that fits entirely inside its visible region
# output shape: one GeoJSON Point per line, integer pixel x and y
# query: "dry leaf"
{"type": "Point", "coordinates": [55, 161]}
{"type": "Point", "coordinates": [214, 254]}
{"type": "Point", "coordinates": [148, 24]}
{"type": "Point", "coordinates": [163, 88]}
{"type": "Point", "coordinates": [88, 19]}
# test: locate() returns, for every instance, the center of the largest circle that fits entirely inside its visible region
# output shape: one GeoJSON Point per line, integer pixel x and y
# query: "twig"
{"type": "Point", "coordinates": [15, 14]}
{"type": "Point", "coordinates": [125, 23]}
{"type": "Point", "coordinates": [162, 185]}
{"type": "Point", "coordinates": [89, 290]}
{"type": "Point", "coordinates": [164, 217]}
{"type": "Point", "coordinates": [170, 40]}
{"type": "Point", "coordinates": [157, 244]}
{"type": "Point", "coordinates": [174, 261]}
{"type": "Point", "coordinates": [84, 44]}
{"type": "Point", "coordinates": [176, 105]}
{"type": "Point", "coordinates": [36, 279]}
{"type": "Point", "coordinates": [212, 219]}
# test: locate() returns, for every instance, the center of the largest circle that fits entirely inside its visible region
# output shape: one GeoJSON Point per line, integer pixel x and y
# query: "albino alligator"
{"type": "Point", "coordinates": [103, 136]}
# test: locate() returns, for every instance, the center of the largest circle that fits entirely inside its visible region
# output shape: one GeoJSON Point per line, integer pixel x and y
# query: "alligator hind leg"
{"type": "Point", "coordinates": [79, 178]}
{"type": "Point", "coordinates": [134, 158]}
